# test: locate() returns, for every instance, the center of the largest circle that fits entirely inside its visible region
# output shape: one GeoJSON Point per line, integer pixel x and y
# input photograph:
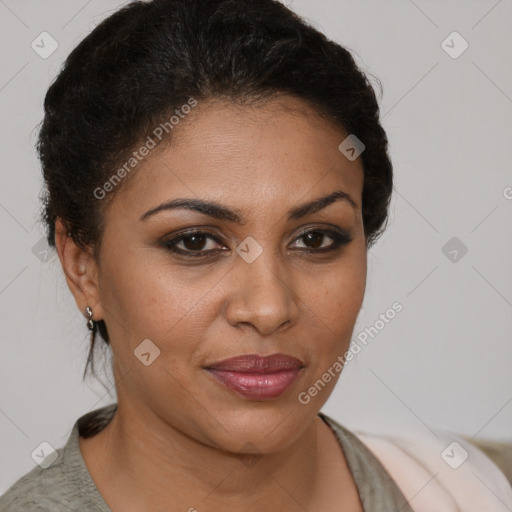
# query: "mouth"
{"type": "Point", "coordinates": [257, 377]}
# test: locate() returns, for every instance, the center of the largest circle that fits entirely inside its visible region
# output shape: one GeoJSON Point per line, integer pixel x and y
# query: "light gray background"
{"type": "Point", "coordinates": [443, 361]}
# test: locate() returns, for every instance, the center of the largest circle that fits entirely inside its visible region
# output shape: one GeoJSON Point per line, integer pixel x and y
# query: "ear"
{"type": "Point", "coordinates": [81, 271]}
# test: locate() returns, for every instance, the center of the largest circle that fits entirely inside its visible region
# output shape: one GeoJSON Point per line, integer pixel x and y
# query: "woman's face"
{"type": "Point", "coordinates": [271, 296]}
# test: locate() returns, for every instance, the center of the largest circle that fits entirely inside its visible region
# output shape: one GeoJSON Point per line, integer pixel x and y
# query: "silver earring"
{"type": "Point", "coordinates": [90, 321]}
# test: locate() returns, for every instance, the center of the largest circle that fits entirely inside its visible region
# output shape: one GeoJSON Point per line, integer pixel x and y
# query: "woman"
{"type": "Point", "coordinates": [215, 174]}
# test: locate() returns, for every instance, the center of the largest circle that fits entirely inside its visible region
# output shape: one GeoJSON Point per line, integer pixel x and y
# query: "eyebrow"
{"type": "Point", "coordinates": [221, 212]}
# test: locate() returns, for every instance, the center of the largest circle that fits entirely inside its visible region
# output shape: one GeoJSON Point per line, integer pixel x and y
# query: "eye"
{"type": "Point", "coordinates": [201, 244]}
{"type": "Point", "coordinates": [193, 243]}
{"type": "Point", "coordinates": [314, 240]}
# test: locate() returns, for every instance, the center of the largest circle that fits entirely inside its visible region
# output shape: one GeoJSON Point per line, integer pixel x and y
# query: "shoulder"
{"type": "Point", "coordinates": [35, 491]}
{"type": "Point", "coordinates": [441, 469]}
{"type": "Point", "coordinates": [63, 483]}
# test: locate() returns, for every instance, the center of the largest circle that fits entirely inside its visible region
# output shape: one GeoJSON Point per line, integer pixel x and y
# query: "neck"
{"type": "Point", "coordinates": [160, 464]}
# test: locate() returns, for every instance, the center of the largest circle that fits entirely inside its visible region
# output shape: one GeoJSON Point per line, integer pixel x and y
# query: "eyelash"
{"type": "Point", "coordinates": [339, 239]}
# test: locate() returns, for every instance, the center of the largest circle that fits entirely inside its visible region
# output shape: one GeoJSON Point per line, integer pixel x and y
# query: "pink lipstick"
{"type": "Point", "coordinates": [257, 377]}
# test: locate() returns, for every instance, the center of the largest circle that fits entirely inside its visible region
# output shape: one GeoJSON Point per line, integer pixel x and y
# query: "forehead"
{"type": "Point", "coordinates": [279, 152]}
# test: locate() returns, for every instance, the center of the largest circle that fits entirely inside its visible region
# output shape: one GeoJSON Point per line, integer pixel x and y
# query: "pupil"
{"type": "Point", "coordinates": [197, 242]}
{"type": "Point", "coordinates": [316, 238]}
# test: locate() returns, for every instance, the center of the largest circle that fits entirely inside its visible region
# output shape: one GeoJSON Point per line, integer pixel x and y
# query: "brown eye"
{"type": "Point", "coordinates": [194, 244]}
{"type": "Point", "coordinates": [200, 244]}
{"type": "Point", "coordinates": [314, 240]}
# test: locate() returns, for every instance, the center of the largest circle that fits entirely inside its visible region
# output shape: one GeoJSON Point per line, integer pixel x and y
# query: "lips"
{"type": "Point", "coordinates": [257, 377]}
{"type": "Point", "coordinates": [252, 363]}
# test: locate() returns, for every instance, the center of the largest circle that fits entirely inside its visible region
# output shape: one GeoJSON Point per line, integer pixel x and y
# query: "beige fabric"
{"type": "Point", "coordinates": [377, 489]}
{"type": "Point", "coordinates": [499, 452]}
{"type": "Point", "coordinates": [418, 463]}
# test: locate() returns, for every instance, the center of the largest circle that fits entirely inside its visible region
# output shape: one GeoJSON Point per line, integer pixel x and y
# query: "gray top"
{"type": "Point", "coordinates": [67, 485]}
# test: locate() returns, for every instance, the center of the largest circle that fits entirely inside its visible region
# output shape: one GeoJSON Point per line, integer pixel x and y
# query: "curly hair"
{"type": "Point", "coordinates": [150, 57]}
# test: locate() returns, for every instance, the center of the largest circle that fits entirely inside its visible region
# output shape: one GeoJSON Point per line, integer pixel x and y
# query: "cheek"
{"type": "Point", "coordinates": [337, 292]}
{"type": "Point", "coordinates": [332, 304]}
{"type": "Point", "coordinates": [170, 305]}
{"type": "Point", "coordinates": [153, 295]}
{"type": "Point", "coordinates": [170, 308]}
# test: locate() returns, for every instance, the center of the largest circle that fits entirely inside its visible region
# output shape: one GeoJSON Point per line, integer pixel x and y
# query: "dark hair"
{"type": "Point", "coordinates": [148, 59]}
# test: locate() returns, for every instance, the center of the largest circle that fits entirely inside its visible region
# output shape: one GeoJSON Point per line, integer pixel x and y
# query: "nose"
{"type": "Point", "coordinates": [262, 296]}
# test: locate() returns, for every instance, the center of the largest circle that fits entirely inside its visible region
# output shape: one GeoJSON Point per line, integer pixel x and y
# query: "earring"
{"type": "Point", "coordinates": [90, 321]}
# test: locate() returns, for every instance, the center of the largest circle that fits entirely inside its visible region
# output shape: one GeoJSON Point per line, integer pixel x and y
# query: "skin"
{"type": "Point", "coordinates": [178, 435]}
